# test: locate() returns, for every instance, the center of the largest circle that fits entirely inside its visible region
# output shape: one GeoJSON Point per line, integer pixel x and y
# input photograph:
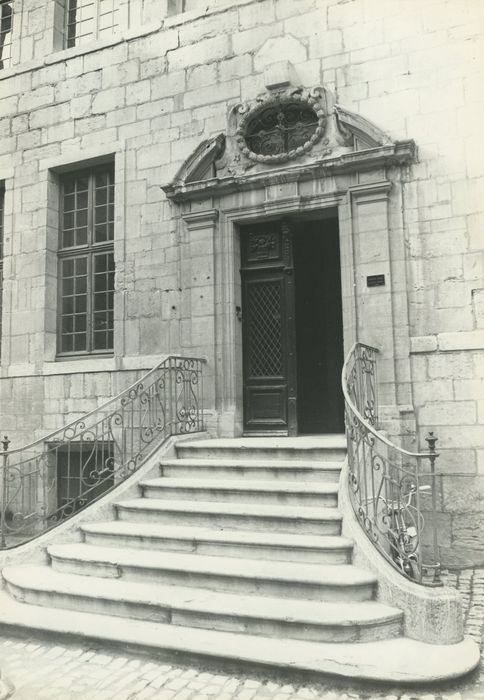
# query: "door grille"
{"type": "Point", "coordinates": [264, 329]}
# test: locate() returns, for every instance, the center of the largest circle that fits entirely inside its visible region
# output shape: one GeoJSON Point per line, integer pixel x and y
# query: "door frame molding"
{"type": "Point", "coordinates": [229, 335]}
{"type": "Point", "coordinates": [366, 189]}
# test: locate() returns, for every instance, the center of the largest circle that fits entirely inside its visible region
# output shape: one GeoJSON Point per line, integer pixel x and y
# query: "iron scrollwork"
{"type": "Point", "coordinates": [281, 127]}
{"type": "Point", "coordinates": [386, 483]}
{"type": "Point", "coordinates": [49, 481]}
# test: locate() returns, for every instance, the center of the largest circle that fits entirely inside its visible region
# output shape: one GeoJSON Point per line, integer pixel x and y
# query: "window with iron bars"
{"type": "Point", "coordinates": [91, 19]}
{"type": "Point", "coordinates": [84, 472]}
{"type": "Point", "coordinates": [86, 263]}
{"type": "Point", "coordinates": [6, 22]}
{"type": "Point", "coordinates": [2, 209]}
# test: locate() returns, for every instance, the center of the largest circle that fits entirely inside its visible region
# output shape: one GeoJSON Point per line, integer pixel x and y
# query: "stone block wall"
{"type": "Point", "coordinates": [148, 95]}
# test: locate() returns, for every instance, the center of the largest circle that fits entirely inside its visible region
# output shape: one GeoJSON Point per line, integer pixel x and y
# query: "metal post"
{"type": "Point", "coordinates": [3, 490]}
{"type": "Point", "coordinates": [171, 403]}
{"type": "Point", "coordinates": [201, 421]}
{"type": "Point", "coordinates": [431, 440]}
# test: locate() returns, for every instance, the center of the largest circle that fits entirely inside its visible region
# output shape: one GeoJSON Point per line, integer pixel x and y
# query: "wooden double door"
{"type": "Point", "coordinates": [291, 327]}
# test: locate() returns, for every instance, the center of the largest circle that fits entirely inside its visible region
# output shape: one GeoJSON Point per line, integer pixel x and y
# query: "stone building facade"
{"type": "Point", "coordinates": [112, 112]}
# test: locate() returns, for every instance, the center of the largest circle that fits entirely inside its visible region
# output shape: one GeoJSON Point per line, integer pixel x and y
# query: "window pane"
{"type": "Point", "coordinates": [80, 322]}
{"type": "Point", "coordinates": [101, 233]}
{"type": "Point", "coordinates": [82, 200]}
{"type": "Point", "coordinates": [90, 19]}
{"type": "Point", "coordinates": [81, 303]}
{"type": "Point", "coordinates": [67, 324]}
{"type": "Point", "coordinates": [102, 196]}
{"type": "Point", "coordinates": [81, 285]}
{"type": "Point", "coordinates": [67, 343]}
{"type": "Point", "coordinates": [100, 302]}
{"type": "Point", "coordinates": [79, 10]}
{"type": "Point", "coordinates": [67, 305]}
{"type": "Point", "coordinates": [100, 283]}
{"type": "Point", "coordinates": [81, 265]}
{"type": "Point", "coordinates": [101, 262]}
{"type": "Point", "coordinates": [69, 185]}
{"type": "Point", "coordinates": [67, 268]}
{"type": "Point", "coordinates": [69, 202]}
{"type": "Point", "coordinates": [6, 14]}
{"type": "Point", "coordinates": [2, 198]}
{"type": "Point", "coordinates": [68, 239]}
{"type": "Point", "coordinates": [102, 179]}
{"type": "Point", "coordinates": [73, 301]}
{"type": "Point", "coordinates": [80, 342]}
{"type": "Point", "coordinates": [101, 215]}
{"type": "Point", "coordinates": [69, 221]}
{"type": "Point", "coordinates": [81, 236]}
{"type": "Point", "coordinates": [81, 218]}
{"type": "Point", "coordinates": [103, 301]}
{"type": "Point", "coordinates": [82, 184]}
{"type": "Point", "coordinates": [68, 286]}
{"type": "Point", "coordinates": [87, 278]}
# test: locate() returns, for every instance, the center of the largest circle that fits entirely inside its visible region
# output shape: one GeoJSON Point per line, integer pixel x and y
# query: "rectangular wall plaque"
{"type": "Point", "coordinates": [375, 281]}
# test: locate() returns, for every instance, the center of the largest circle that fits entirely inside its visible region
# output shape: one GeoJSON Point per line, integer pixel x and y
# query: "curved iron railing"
{"type": "Point", "coordinates": [56, 476]}
{"type": "Point", "coordinates": [390, 488]}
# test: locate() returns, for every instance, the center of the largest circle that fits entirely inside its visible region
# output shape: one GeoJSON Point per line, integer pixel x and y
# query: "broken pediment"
{"type": "Point", "coordinates": [365, 134]}
{"type": "Point", "coordinates": [285, 130]}
{"type": "Point", "coordinates": [200, 164]}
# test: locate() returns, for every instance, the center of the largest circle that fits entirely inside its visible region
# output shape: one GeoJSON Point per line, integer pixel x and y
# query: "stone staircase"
{"type": "Point", "coordinates": [234, 551]}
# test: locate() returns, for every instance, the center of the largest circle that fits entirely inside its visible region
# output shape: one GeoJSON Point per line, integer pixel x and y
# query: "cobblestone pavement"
{"type": "Point", "coordinates": [46, 669]}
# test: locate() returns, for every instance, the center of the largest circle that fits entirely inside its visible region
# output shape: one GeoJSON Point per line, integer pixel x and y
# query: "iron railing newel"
{"type": "Point", "coordinates": [3, 489]}
{"type": "Point", "coordinates": [384, 479]}
{"type": "Point", "coordinates": [53, 478]}
{"type": "Point", "coordinates": [431, 441]}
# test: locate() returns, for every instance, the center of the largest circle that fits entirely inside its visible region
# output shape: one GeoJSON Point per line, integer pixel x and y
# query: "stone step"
{"type": "Point", "coordinates": [285, 579]}
{"type": "Point", "coordinates": [192, 607]}
{"type": "Point", "coordinates": [234, 516]}
{"type": "Point", "coordinates": [238, 491]}
{"type": "Point", "coordinates": [317, 448]}
{"type": "Point", "coordinates": [321, 549]}
{"type": "Point", "coordinates": [393, 660]}
{"type": "Point", "coordinates": [263, 469]}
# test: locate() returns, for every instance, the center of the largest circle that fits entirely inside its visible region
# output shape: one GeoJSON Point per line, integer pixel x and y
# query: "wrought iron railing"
{"type": "Point", "coordinates": [53, 478]}
{"type": "Point", "coordinates": [390, 488]}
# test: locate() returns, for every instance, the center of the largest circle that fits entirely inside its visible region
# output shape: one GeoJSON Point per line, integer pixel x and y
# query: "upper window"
{"type": "Point", "coordinates": [86, 262]}
{"type": "Point", "coordinates": [6, 21]}
{"type": "Point", "coordinates": [91, 19]}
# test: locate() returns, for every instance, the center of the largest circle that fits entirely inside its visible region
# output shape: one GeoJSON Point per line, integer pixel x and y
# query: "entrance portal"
{"type": "Point", "coordinates": [292, 327]}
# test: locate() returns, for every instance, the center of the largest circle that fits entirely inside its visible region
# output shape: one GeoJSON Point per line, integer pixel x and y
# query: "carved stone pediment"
{"type": "Point", "coordinates": [288, 132]}
{"type": "Point", "coordinates": [200, 164]}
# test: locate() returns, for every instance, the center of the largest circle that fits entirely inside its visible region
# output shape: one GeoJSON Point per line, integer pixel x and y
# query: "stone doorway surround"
{"type": "Point", "coordinates": [352, 167]}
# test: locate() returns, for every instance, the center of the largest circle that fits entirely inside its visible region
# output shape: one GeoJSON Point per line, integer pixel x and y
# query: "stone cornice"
{"type": "Point", "coordinates": [397, 153]}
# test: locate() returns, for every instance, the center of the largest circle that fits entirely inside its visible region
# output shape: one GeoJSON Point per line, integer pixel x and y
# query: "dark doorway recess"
{"type": "Point", "coordinates": [292, 327]}
{"type": "Point", "coordinates": [319, 327]}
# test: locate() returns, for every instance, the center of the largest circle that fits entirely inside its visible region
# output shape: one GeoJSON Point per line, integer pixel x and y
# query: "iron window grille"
{"type": "Point", "coordinates": [281, 128]}
{"type": "Point", "coordinates": [6, 22]}
{"type": "Point", "coordinates": [91, 19]}
{"type": "Point", "coordinates": [86, 263]}
{"type": "Point", "coordinates": [84, 472]}
{"type": "Point", "coordinates": [2, 209]}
